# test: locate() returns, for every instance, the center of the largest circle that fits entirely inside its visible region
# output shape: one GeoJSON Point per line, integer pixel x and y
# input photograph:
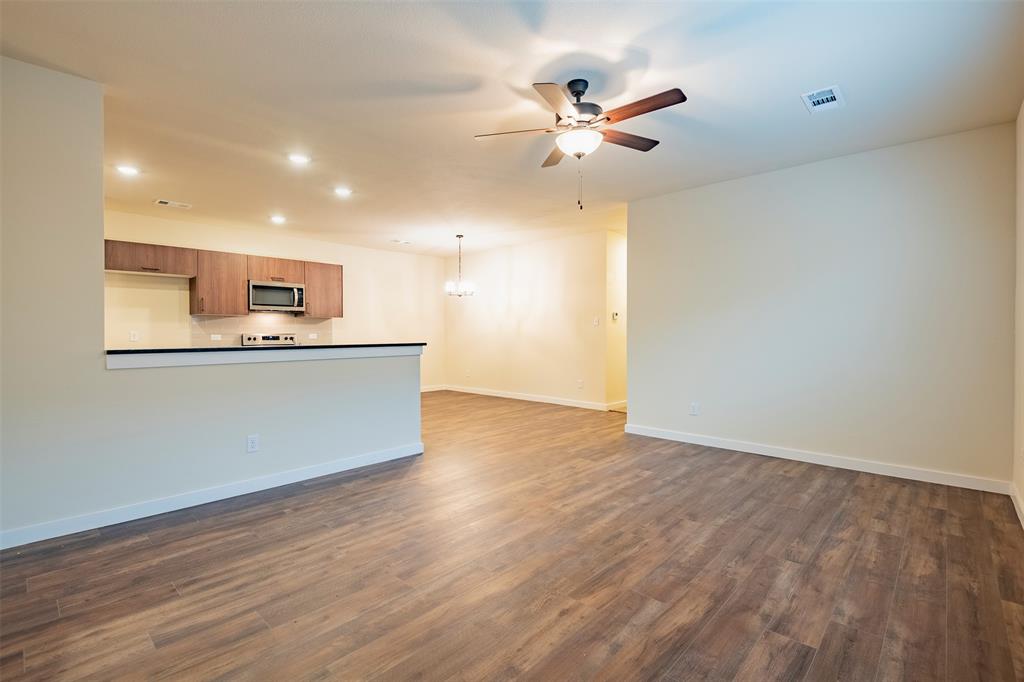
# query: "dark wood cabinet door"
{"type": "Point", "coordinates": [324, 290]}
{"type": "Point", "coordinates": [152, 258]}
{"type": "Point", "coordinates": [220, 286]}
{"type": "Point", "coordinates": [264, 269]}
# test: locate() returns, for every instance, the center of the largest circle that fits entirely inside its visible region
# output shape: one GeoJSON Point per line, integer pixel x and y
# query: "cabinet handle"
{"type": "Point", "coordinates": [143, 267]}
{"type": "Point", "coordinates": [277, 279]}
{"type": "Point", "coordinates": [202, 303]}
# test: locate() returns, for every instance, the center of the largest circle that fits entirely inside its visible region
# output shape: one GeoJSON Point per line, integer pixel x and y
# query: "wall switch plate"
{"type": "Point", "coordinates": [597, 321]}
{"type": "Point", "coordinates": [133, 336]}
{"type": "Point", "coordinates": [694, 409]}
{"type": "Point", "coordinates": [314, 335]}
{"type": "Point", "coordinates": [252, 443]}
{"type": "Point", "coordinates": [215, 337]}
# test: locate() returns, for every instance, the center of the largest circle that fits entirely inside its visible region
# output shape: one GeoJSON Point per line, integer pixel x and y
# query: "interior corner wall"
{"type": "Point", "coordinates": [615, 315]}
{"type": "Point", "coordinates": [536, 327]}
{"type": "Point", "coordinates": [856, 311]}
{"type": "Point", "coordinates": [1018, 449]}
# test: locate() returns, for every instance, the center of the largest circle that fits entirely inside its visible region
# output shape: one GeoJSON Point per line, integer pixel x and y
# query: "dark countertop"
{"type": "Point", "coordinates": [130, 351]}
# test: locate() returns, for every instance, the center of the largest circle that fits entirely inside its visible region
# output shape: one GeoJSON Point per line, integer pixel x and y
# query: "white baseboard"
{"type": "Point", "coordinates": [617, 405]}
{"type": "Point", "coordinates": [991, 485]}
{"type": "Point", "coordinates": [554, 400]}
{"type": "Point", "coordinates": [107, 517]}
{"type": "Point", "coordinates": [433, 387]}
{"type": "Point", "coordinates": [1018, 502]}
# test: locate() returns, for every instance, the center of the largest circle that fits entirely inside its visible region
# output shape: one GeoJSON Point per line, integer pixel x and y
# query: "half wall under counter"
{"type": "Point", "coordinates": [138, 358]}
{"type": "Point", "coordinates": [151, 441]}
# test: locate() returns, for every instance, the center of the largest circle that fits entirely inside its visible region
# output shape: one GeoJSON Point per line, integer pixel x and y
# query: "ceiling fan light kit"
{"type": "Point", "coordinates": [579, 142]}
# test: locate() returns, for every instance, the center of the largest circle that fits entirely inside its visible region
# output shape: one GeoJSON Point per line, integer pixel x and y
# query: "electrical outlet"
{"type": "Point", "coordinates": [215, 337]}
{"type": "Point", "coordinates": [694, 409]}
{"type": "Point", "coordinates": [579, 383]}
{"type": "Point", "coordinates": [133, 335]}
{"type": "Point", "coordinates": [314, 335]}
{"type": "Point", "coordinates": [597, 321]}
{"type": "Point", "coordinates": [252, 443]}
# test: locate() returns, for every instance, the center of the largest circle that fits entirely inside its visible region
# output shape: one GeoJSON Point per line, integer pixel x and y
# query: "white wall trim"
{"type": "Point", "coordinates": [991, 485]}
{"type": "Point", "coordinates": [1018, 501]}
{"type": "Point", "coordinates": [568, 402]}
{"type": "Point", "coordinates": [617, 405]}
{"type": "Point", "coordinates": [234, 357]}
{"type": "Point", "coordinates": [138, 510]}
{"type": "Point", "coordinates": [433, 387]}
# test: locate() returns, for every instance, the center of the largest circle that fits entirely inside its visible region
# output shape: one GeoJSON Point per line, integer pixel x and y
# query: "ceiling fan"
{"type": "Point", "coordinates": [582, 126]}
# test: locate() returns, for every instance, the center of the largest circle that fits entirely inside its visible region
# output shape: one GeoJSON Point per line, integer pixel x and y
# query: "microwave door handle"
{"type": "Point", "coordinates": [295, 297]}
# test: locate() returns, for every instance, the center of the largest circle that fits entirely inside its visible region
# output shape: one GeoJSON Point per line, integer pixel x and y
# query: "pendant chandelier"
{"type": "Point", "coordinates": [459, 287]}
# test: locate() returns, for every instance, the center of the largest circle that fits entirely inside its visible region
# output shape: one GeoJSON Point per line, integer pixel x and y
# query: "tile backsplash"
{"type": "Point", "coordinates": [232, 328]}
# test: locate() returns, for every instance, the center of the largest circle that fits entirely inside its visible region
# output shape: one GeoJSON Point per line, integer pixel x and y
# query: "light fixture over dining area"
{"type": "Point", "coordinates": [459, 287]}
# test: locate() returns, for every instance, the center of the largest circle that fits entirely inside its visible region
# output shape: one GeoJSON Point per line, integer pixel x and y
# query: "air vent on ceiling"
{"type": "Point", "coordinates": [826, 98]}
{"type": "Point", "coordinates": [172, 204]}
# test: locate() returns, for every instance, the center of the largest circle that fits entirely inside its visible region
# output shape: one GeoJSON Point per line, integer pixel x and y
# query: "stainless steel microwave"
{"type": "Point", "coordinates": [287, 297]}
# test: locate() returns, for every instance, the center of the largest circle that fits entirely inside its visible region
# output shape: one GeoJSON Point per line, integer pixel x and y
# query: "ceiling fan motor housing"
{"type": "Point", "coordinates": [587, 111]}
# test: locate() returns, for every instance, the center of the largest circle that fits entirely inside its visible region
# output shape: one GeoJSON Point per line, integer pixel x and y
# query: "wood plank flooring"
{"type": "Point", "coordinates": [537, 542]}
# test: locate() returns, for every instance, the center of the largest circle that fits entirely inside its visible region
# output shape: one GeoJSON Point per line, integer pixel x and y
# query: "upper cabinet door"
{"type": "Point", "coordinates": [220, 286]}
{"type": "Point", "coordinates": [324, 290]}
{"type": "Point", "coordinates": [264, 269]}
{"type": "Point", "coordinates": [152, 258]}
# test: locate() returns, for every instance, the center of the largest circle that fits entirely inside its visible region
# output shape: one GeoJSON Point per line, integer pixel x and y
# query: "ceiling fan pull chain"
{"type": "Point", "coordinates": [579, 193]}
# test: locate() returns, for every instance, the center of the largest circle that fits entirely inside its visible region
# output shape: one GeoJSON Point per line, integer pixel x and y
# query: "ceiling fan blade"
{"type": "Point", "coordinates": [644, 144]}
{"type": "Point", "coordinates": [556, 98]}
{"type": "Point", "coordinates": [645, 105]}
{"type": "Point", "coordinates": [514, 132]}
{"type": "Point", "coordinates": [553, 158]}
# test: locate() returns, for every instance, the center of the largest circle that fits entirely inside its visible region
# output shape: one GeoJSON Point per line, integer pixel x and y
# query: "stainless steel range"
{"type": "Point", "coordinates": [269, 340]}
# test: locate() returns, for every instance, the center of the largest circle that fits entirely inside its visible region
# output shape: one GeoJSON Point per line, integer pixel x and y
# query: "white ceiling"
{"type": "Point", "coordinates": [208, 98]}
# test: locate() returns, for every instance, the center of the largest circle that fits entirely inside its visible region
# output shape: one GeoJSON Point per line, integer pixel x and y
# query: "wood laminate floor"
{"type": "Point", "coordinates": [537, 542]}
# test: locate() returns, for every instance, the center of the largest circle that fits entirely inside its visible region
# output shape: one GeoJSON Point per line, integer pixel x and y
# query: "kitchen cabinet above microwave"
{"type": "Point", "coordinates": [153, 259]}
{"type": "Point", "coordinates": [265, 269]}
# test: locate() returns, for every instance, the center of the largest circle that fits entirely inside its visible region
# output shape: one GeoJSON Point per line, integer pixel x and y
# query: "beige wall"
{"type": "Point", "coordinates": [530, 329]}
{"type": "Point", "coordinates": [79, 440]}
{"type": "Point", "coordinates": [615, 365]}
{"type": "Point", "coordinates": [1018, 460]}
{"type": "Point", "coordinates": [389, 296]}
{"type": "Point", "coordinates": [859, 307]}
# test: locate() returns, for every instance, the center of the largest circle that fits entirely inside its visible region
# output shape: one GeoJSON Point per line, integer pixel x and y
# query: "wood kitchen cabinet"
{"type": "Point", "coordinates": [264, 269]}
{"type": "Point", "coordinates": [324, 289]}
{"type": "Point", "coordinates": [151, 258]}
{"type": "Point", "coordinates": [220, 286]}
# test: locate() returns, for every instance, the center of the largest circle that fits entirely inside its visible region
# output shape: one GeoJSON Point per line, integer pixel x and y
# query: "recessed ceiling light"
{"type": "Point", "coordinates": [278, 219]}
{"type": "Point", "coordinates": [299, 159]}
{"type": "Point", "coordinates": [343, 192]}
{"type": "Point", "coordinates": [128, 170]}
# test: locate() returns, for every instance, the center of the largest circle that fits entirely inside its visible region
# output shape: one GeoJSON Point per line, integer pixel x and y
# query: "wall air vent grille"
{"type": "Point", "coordinates": [172, 204]}
{"type": "Point", "coordinates": [826, 98]}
